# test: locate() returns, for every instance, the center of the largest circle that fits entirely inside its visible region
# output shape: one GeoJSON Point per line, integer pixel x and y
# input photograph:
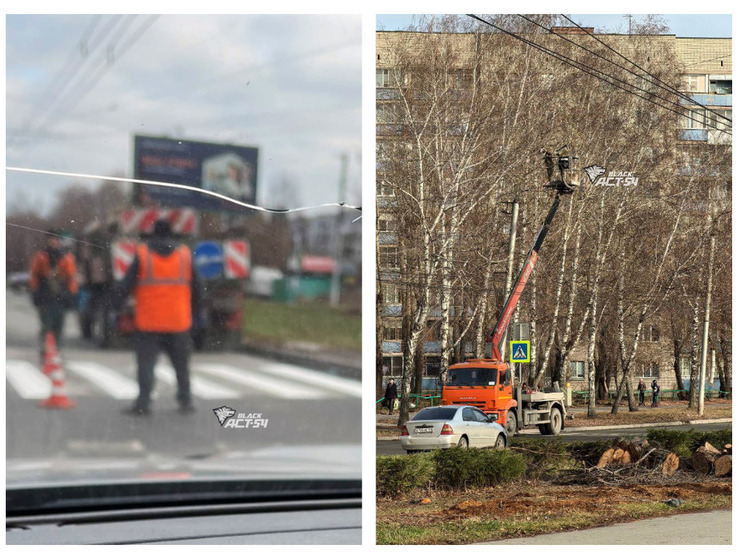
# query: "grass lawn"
{"type": "Point", "coordinates": [525, 509]}
{"type": "Point", "coordinates": [317, 323]}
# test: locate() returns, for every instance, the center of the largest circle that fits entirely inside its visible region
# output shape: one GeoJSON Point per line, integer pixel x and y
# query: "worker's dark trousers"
{"type": "Point", "coordinates": [178, 347]}
{"type": "Point", "coordinates": [52, 317]}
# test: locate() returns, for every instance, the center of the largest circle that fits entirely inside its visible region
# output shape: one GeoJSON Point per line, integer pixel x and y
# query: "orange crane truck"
{"type": "Point", "coordinates": [489, 383]}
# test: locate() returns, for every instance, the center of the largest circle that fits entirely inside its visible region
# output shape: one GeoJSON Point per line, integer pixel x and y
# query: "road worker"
{"type": "Point", "coordinates": [166, 290]}
{"type": "Point", "coordinates": [54, 287]}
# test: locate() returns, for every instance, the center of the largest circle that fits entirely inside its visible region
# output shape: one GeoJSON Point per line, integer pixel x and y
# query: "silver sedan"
{"type": "Point", "coordinates": [449, 426]}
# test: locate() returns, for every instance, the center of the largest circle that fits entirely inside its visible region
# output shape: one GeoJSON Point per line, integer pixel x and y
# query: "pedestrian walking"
{"type": "Point", "coordinates": [641, 388]}
{"type": "Point", "coordinates": [166, 290]}
{"type": "Point", "coordinates": [54, 287]}
{"type": "Point", "coordinates": [390, 396]}
{"type": "Point", "coordinates": [656, 390]}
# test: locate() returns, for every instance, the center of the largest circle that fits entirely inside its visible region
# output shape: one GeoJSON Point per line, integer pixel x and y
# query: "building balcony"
{"type": "Point", "coordinates": [386, 238]}
{"type": "Point", "coordinates": [693, 135]}
{"type": "Point", "coordinates": [705, 135]}
{"type": "Point", "coordinates": [710, 100]}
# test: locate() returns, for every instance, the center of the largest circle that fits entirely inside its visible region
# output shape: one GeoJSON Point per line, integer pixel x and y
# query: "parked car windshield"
{"type": "Point", "coordinates": [472, 377]}
{"type": "Point", "coordinates": [435, 413]}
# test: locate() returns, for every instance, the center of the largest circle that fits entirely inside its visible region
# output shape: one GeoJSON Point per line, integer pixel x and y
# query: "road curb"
{"type": "Point", "coordinates": [602, 427]}
{"type": "Point", "coordinates": [341, 367]}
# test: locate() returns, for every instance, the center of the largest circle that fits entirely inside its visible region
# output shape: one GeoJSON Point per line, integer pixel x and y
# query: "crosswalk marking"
{"type": "Point", "coordinates": [200, 387]}
{"type": "Point", "coordinates": [209, 380]}
{"type": "Point", "coordinates": [281, 389]}
{"type": "Point", "coordinates": [344, 385]}
{"type": "Point", "coordinates": [27, 380]}
{"type": "Point", "coordinates": [109, 381]}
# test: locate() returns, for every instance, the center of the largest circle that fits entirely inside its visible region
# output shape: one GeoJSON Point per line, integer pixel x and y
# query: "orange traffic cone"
{"type": "Point", "coordinates": [53, 369]}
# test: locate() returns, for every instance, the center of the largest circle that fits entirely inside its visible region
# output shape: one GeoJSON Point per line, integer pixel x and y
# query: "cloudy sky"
{"type": "Point", "coordinates": [78, 87]}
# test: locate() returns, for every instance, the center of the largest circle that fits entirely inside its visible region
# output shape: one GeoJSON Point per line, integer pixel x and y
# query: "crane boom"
{"type": "Point", "coordinates": [515, 294]}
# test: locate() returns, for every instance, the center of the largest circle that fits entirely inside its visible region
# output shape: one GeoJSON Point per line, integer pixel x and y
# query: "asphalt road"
{"type": "Point", "coordinates": [682, 529]}
{"type": "Point", "coordinates": [302, 406]}
{"type": "Point", "coordinates": [393, 447]}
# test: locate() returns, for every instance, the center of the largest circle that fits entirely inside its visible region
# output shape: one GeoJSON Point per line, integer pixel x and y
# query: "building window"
{"type": "Point", "coordinates": [577, 370]}
{"type": "Point", "coordinates": [385, 225]}
{"type": "Point", "coordinates": [384, 189]}
{"type": "Point", "coordinates": [721, 87]}
{"type": "Point", "coordinates": [460, 79]}
{"type": "Point", "coordinates": [685, 366]}
{"type": "Point", "coordinates": [392, 333]}
{"type": "Point", "coordinates": [695, 119]}
{"type": "Point", "coordinates": [390, 294]}
{"type": "Point", "coordinates": [695, 84]}
{"type": "Point", "coordinates": [650, 334]}
{"type": "Point", "coordinates": [386, 77]}
{"type": "Point", "coordinates": [716, 119]}
{"type": "Point", "coordinates": [649, 370]}
{"type": "Point", "coordinates": [392, 368]}
{"type": "Point", "coordinates": [389, 258]}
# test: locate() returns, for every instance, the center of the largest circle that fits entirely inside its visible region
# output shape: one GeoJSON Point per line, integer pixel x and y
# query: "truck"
{"type": "Point", "coordinates": [221, 258]}
{"type": "Point", "coordinates": [489, 383]}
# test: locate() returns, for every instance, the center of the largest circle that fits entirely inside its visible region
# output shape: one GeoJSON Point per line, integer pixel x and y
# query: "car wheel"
{"type": "Point", "coordinates": [501, 442]}
{"type": "Point", "coordinates": [511, 423]}
{"type": "Point", "coordinates": [463, 442]}
{"type": "Point", "coordinates": [544, 428]}
{"type": "Point", "coordinates": [555, 422]}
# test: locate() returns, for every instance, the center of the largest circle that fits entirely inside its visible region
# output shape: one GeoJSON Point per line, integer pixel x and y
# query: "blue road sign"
{"type": "Point", "coordinates": [520, 351]}
{"type": "Point", "coordinates": [208, 257]}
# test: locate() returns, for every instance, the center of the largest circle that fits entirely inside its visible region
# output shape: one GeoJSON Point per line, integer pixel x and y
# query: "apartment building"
{"type": "Point", "coordinates": [706, 68]}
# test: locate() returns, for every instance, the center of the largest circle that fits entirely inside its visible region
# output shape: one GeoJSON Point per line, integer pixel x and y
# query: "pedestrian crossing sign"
{"type": "Point", "coordinates": [520, 351]}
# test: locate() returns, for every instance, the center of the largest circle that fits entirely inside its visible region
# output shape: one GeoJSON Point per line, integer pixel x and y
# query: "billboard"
{"type": "Point", "coordinates": [225, 169]}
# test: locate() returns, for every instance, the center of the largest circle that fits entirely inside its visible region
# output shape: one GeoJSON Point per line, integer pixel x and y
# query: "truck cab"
{"type": "Point", "coordinates": [482, 383]}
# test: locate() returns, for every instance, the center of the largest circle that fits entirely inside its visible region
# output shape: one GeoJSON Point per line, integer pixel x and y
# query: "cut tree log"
{"type": "Point", "coordinates": [670, 464]}
{"type": "Point", "coordinates": [728, 449]}
{"type": "Point", "coordinates": [709, 448]}
{"type": "Point", "coordinates": [723, 465]}
{"type": "Point", "coordinates": [606, 458]}
{"type": "Point", "coordinates": [704, 458]}
{"type": "Point", "coordinates": [636, 450]}
{"type": "Point", "coordinates": [617, 456]}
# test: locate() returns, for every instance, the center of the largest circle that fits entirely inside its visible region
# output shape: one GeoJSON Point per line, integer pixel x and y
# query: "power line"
{"type": "Point", "coordinates": [691, 100]}
{"type": "Point", "coordinates": [579, 65]}
{"type": "Point", "coordinates": [88, 81]}
{"type": "Point", "coordinates": [66, 78]}
{"type": "Point", "coordinates": [664, 99]}
{"type": "Point", "coordinates": [640, 76]}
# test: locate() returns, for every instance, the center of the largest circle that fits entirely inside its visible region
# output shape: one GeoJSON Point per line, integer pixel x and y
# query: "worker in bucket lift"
{"type": "Point", "coordinates": [166, 290]}
{"type": "Point", "coordinates": [54, 287]}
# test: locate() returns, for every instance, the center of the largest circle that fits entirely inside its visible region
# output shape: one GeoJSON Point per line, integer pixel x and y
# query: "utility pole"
{"type": "Point", "coordinates": [706, 326]}
{"type": "Point", "coordinates": [509, 274]}
{"type": "Point", "coordinates": [336, 288]}
{"type": "Point", "coordinates": [629, 23]}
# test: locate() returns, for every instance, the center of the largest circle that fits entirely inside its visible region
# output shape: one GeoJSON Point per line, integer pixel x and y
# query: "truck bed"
{"type": "Point", "coordinates": [543, 397]}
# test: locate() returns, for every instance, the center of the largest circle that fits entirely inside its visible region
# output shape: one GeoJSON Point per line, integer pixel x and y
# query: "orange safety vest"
{"type": "Point", "coordinates": [62, 277]}
{"type": "Point", "coordinates": [163, 293]}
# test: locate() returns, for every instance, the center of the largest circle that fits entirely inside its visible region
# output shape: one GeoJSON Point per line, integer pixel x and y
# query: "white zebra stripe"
{"type": "Point", "coordinates": [299, 374]}
{"type": "Point", "coordinates": [27, 380]}
{"type": "Point", "coordinates": [115, 384]}
{"type": "Point", "coordinates": [200, 387]}
{"type": "Point", "coordinates": [263, 383]}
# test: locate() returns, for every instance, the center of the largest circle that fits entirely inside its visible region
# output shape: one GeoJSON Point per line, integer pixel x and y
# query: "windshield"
{"type": "Point", "coordinates": [184, 285]}
{"type": "Point", "coordinates": [434, 413]}
{"type": "Point", "coordinates": [472, 377]}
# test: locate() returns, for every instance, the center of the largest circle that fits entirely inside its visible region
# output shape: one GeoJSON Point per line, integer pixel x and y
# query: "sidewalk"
{"type": "Point", "coordinates": [700, 528]}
